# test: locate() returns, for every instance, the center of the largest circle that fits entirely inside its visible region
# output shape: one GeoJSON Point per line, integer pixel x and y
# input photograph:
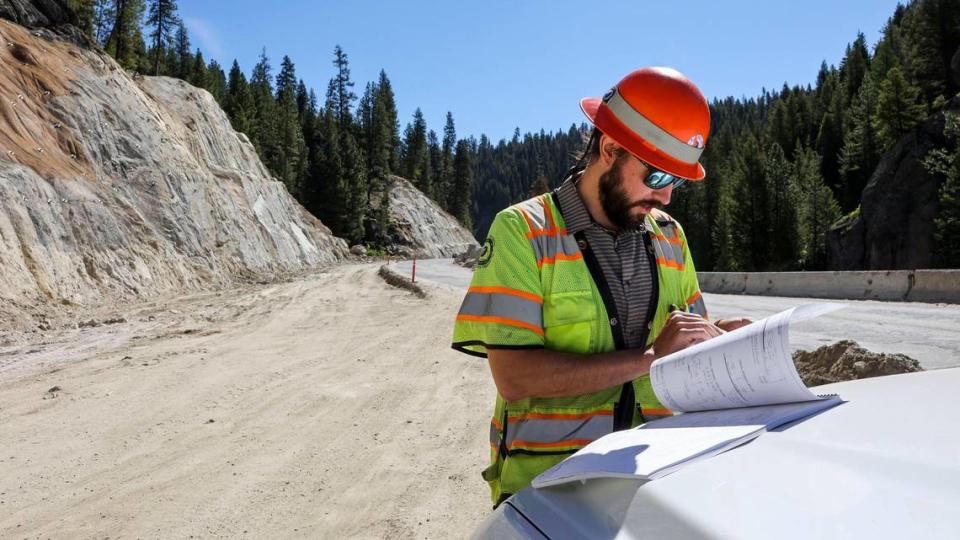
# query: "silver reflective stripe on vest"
{"type": "Point", "coordinates": [699, 307]}
{"type": "Point", "coordinates": [547, 247]}
{"type": "Point", "coordinates": [650, 132]}
{"type": "Point", "coordinates": [548, 240]}
{"type": "Point", "coordinates": [499, 304]}
{"type": "Point", "coordinates": [494, 435]}
{"type": "Point", "coordinates": [665, 249]}
{"type": "Point", "coordinates": [547, 433]}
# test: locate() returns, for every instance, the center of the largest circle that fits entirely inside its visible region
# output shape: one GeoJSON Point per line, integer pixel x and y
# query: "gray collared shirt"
{"type": "Point", "coordinates": [623, 260]}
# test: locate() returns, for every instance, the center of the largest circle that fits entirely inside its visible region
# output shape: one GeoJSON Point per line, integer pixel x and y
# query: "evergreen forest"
{"type": "Point", "coordinates": [783, 167]}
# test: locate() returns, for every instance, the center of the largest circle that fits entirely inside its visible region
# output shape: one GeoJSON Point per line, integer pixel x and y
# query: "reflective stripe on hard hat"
{"type": "Point", "coordinates": [649, 131]}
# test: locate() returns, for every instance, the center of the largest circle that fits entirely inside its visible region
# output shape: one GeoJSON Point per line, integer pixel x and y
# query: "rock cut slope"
{"type": "Point", "coordinates": [119, 186]}
{"type": "Point", "coordinates": [420, 226]}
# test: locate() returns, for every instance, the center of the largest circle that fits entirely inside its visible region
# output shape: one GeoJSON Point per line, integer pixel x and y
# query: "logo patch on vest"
{"type": "Point", "coordinates": [487, 252]}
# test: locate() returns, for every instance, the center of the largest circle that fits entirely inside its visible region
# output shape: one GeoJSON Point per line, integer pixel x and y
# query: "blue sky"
{"type": "Point", "coordinates": [498, 65]}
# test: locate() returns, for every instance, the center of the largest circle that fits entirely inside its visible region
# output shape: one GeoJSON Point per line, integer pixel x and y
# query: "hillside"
{"type": "Point", "coordinates": [117, 186]}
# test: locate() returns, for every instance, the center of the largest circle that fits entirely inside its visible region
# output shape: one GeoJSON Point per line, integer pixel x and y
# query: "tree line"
{"type": "Point", "coordinates": [334, 157]}
{"type": "Point", "coordinates": [786, 166]}
{"type": "Point", "coordinates": [783, 167]}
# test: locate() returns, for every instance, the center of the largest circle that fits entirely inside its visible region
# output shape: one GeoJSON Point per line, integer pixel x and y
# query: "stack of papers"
{"type": "Point", "coordinates": [729, 390]}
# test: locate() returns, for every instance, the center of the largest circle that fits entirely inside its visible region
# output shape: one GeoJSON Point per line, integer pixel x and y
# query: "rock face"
{"type": "Point", "coordinates": [119, 187]}
{"type": "Point", "coordinates": [36, 13]}
{"type": "Point", "coordinates": [419, 226]}
{"type": "Point", "coordinates": [894, 230]}
{"type": "Point", "coordinates": [846, 361]}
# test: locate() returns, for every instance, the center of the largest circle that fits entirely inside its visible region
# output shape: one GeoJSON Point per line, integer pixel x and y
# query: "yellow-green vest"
{"type": "Point", "coordinates": [534, 287]}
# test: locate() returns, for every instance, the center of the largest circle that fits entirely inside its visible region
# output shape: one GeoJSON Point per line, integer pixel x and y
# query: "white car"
{"type": "Point", "coordinates": [884, 464]}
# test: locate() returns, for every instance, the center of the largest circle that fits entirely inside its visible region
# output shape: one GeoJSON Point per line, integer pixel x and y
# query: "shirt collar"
{"type": "Point", "coordinates": [575, 214]}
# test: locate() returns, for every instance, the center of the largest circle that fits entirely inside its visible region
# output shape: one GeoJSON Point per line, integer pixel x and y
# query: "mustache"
{"type": "Point", "coordinates": [647, 202]}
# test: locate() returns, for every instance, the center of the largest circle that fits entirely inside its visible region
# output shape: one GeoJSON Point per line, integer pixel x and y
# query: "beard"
{"type": "Point", "coordinates": [615, 202]}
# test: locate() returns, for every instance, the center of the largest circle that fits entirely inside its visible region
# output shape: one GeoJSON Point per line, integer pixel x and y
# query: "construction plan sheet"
{"type": "Point", "coordinates": [729, 390]}
{"type": "Point", "coordinates": [747, 367]}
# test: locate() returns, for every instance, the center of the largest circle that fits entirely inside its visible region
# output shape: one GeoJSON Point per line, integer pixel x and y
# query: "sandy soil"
{"type": "Point", "coordinates": [330, 406]}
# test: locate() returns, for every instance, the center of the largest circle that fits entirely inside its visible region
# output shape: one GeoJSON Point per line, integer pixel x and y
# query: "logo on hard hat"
{"type": "Point", "coordinates": [609, 94]}
{"type": "Point", "coordinates": [696, 141]}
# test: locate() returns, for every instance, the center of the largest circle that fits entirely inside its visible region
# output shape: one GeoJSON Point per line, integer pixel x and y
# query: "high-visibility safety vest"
{"type": "Point", "coordinates": [536, 286]}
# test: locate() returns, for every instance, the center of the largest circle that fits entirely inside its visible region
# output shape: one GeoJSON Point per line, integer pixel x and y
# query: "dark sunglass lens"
{"type": "Point", "coordinates": [659, 180]}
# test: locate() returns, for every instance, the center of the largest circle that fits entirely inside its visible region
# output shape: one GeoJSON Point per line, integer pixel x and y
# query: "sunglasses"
{"type": "Point", "coordinates": [658, 179]}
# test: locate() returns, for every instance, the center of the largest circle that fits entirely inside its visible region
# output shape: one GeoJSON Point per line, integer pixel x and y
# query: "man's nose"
{"type": "Point", "coordinates": [664, 194]}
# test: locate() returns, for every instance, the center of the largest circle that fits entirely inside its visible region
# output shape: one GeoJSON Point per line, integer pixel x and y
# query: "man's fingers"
{"type": "Point", "coordinates": [684, 315]}
{"type": "Point", "coordinates": [704, 325]}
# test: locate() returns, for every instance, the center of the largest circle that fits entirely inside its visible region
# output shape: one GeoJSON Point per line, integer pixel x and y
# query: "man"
{"type": "Point", "coordinates": [578, 291]}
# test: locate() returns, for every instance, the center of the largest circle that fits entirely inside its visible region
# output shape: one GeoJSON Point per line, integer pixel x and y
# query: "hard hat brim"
{"type": "Point", "coordinates": [642, 150]}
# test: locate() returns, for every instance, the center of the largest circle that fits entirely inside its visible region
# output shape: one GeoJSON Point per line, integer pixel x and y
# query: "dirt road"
{"type": "Point", "coordinates": [330, 406]}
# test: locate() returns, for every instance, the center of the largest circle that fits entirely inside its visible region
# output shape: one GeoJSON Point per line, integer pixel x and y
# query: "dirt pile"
{"type": "Point", "coordinates": [115, 186]}
{"type": "Point", "coordinates": [846, 360]}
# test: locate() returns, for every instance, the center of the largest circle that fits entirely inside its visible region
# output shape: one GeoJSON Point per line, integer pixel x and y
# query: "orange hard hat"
{"type": "Point", "coordinates": [659, 116]}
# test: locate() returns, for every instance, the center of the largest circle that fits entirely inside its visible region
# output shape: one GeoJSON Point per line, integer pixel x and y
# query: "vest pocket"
{"type": "Point", "coordinates": [568, 320]}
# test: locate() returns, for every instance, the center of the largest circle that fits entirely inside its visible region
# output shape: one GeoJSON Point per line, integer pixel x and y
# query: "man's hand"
{"type": "Point", "coordinates": [682, 330]}
{"type": "Point", "coordinates": [729, 325]}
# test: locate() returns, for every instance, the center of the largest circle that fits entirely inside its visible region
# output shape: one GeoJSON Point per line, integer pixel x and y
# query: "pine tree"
{"type": "Point", "coordinates": [264, 127]}
{"type": "Point", "coordinates": [817, 210]}
{"type": "Point", "coordinates": [855, 63]}
{"type": "Point", "coordinates": [86, 15]}
{"type": "Point", "coordinates": [291, 150]}
{"type": "Point", "coordinates": [216, 82]}
{"type": "Point", "coordinates": [416, 156]}
{"type": "Point", "coordinates": [184, 58]}
{"type": "Point", "coordinates": [367, 126]}
{"type": "Point", "coordinates": [326, 192]}
{"type": "Point", "coordinates": [782, 238]}
{"type": "Point", "coordinates": [445, 178]}
{"type": "Point", "coordinates": [125, 39]}
{"type": "Point", "coordinates": [436, 167]}
{"type": "Point", "coordinates": [898, 109]}
{"type": "Point", "coordinates": [340, 96]}
{"type": "Point", "coordinates": [860, 153]}
{"type": "Point", "coordinates": [462, 180]}
{"type": "Point", "coordinates": [932, 32]}
{"type": "Point", "coordinates": [239, 102]}
{"type": "Point", "coordinates": [162, 16]}
{"type": "Point", "coordinates": [103, 18]}
{"type": "Point", "coordinates": [198, 74]}
{"type": "Point", "coordinates": [354, 197]}
{"type": "Point", "coordinates": [388, 123]}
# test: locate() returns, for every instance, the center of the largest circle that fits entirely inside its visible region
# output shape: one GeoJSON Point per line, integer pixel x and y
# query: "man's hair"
{"type": "Point", "coordinates": [591, 149]}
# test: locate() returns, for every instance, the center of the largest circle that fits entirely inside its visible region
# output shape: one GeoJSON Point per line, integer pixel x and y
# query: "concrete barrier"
{"type": "Point", "coordinates": [935, 286]}
{"type": "Point", "coordinates": [896, 285]}
{"type": "Point", "coordinates": [723, 282]}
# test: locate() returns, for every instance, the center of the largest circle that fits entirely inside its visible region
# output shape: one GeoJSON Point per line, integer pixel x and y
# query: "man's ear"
{"type": "Point", "coordinates": [608, 150]}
